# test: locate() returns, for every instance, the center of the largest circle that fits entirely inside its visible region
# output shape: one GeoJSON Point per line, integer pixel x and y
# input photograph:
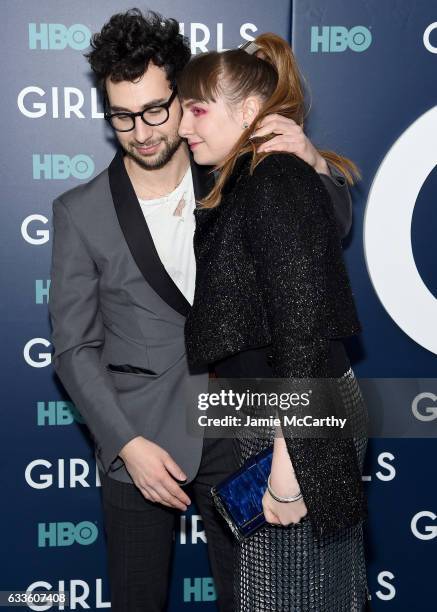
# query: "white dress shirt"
{"type": "Point", "coordinates": [171, 223]}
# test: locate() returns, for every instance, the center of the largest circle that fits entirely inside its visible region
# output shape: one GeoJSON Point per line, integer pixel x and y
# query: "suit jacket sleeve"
{"type": "Point", "coordinates": [338, 190]}
{"type": "Point", "coordinates": [291, 238]}
{"type": "Point", "coordinates": [78, 337]}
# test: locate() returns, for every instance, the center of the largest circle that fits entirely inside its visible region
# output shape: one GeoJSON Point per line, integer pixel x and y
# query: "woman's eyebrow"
{"type": "Point", "coordinates": [191, 102]}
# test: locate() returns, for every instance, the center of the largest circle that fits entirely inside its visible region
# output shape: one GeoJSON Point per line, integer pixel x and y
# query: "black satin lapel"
{"type": "Point", "coordinates": [139, 238]}
{"type": "Point", "coordinates": [203, 179]}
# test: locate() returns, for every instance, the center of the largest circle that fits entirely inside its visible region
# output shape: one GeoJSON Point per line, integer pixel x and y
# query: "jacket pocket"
{"type": "Point", "coordinates": [126, 368]}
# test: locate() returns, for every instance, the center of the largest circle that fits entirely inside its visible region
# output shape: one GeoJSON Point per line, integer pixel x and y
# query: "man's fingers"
{"type": "Point", "coordinates": [172, 491]}
{"type": "Point", "coordinates": [268, 129]}
{"type": "Point", "coordinates": [168, 499]}
{"type": "Point", "coordinates": [276, 118]}
{"type": "Point", "coordinates": [175, 490]}
{"type": "Point", "coordinates": [172, 488]}
{"type": "Point", "coordinates": [174, 469]}
{"type": "Point", "coordinates": [147, 493]}
{"type": "Point", "coordinates": [275, 124]}
{"type": "Point", "coordinates": [153, 497]}
{"type": "Point", "coordinates": [159, 495]}
{"type": "Point", "coordinates": [279, 143]}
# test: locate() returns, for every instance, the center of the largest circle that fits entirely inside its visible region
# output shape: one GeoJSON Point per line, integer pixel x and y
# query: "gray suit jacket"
{"type": "Point", "coordinates": [118, 319]}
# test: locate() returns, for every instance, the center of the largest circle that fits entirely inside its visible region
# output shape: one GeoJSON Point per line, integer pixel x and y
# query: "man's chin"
{"type": "Point", "coordinates": [147, 161]}
{"type": "Point", "coordinates": [156, 160]}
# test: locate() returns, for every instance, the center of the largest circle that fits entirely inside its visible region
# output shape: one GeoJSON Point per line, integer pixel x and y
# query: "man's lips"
{"type": "Point", "coordinates": [147, 150]}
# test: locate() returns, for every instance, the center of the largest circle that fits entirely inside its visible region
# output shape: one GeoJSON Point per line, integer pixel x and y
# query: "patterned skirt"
{"type": "Point", "coordinates": [289, 569]}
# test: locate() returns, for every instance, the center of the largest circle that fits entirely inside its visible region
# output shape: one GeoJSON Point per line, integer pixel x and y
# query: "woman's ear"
{"type": "Point", "coordinates": [250, 108]}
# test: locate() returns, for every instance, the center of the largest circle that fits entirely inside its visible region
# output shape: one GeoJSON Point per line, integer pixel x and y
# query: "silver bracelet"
{"type": "Point", "coordinates": [278, 498]}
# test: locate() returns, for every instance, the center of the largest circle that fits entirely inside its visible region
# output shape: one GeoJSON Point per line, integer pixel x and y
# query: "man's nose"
{"type": "Point", "coordinates": [142, 131]}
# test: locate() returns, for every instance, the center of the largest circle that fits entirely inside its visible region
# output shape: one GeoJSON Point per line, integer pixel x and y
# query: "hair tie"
{"type": "Point", "coordinates": [250, 47]}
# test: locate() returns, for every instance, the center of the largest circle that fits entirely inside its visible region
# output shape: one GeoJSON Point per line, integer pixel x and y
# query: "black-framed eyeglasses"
{"type": "Point", "coordinates": [151, 115]}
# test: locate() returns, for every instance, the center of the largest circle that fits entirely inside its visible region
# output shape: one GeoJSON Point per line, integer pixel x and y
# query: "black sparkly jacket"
{"type": "Point", "coordinates": [270, 271]}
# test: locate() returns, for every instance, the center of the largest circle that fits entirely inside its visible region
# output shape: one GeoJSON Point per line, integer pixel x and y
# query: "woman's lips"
{"type": "Point", "coordinates": [193, 145]}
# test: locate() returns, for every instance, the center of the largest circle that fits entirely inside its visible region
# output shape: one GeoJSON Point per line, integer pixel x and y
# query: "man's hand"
{"type": "Point", "coordinates": [290, 139]}
{"type": "Point", "coordinates": [155, 473]}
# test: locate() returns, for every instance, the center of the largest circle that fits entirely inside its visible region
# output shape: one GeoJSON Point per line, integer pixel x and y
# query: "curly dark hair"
{"type": "Point", "coordinates": [127, 43]}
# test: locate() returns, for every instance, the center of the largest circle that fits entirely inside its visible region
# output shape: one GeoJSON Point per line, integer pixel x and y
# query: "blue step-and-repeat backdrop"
{"type": "Point", "coordinates": [371, 73]}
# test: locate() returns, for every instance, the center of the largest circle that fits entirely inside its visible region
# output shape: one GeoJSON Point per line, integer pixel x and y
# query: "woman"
{"type": "Point", "coordinates": [273, 299]}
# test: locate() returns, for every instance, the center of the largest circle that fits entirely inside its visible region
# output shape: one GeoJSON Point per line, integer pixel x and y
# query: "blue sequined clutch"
{"type": "Point", "coordinates": [238, 498]}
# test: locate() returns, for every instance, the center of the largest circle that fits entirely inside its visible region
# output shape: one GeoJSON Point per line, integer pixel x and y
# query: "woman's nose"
{"type": "Point", "coordinates": [184, 126]}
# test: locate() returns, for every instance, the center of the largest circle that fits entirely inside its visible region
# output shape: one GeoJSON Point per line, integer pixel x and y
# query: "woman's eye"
{"type": "Point", "coordinates": [197, 111]}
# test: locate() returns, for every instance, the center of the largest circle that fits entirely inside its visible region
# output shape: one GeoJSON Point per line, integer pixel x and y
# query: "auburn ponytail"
{"type": "Point", "coordinates": [273, 74]}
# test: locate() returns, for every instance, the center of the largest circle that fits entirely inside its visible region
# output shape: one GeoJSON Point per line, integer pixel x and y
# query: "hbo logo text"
{"type": "Point", "coordinates": [66, 534]}
{"type": "Point", "coordinates": [334, 39]}
{"type": "Point", "coordinates": [61, 167]}
{"type": "Point", "coordinates": [55, 36]}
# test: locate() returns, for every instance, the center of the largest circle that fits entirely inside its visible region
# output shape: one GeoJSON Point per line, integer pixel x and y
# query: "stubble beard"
{"type": "Point", "coordinates": [171, 145]}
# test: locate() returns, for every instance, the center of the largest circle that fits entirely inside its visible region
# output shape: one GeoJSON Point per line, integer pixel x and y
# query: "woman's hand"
{"type": "Point", "coordinates": [278, 513]}
{"type": "Point", "coordinates": [290, 139]}
{"type": "Point", "coordinates": [284, 483]}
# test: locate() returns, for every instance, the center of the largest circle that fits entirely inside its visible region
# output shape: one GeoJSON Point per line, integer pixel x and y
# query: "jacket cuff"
{"type": "Point", "coordinates": [335, 175]}
{"type": "Point", "coordinates": [327, 469]}
{"type": "Point", "coordinates": [338, 190]}
{"type": "Point", "coordinates": [109, 454]}
{"type": "Point", "coordinates": [330, 480]}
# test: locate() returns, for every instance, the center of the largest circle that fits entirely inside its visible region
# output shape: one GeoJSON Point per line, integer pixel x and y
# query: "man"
{"type": "Point", "coordinates": [123, 274]}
